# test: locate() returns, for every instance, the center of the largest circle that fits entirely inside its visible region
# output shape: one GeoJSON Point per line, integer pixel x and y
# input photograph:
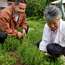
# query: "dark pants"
{"type": "Point", "coordinates": [3, 36]}
{"type": "Point", "coordinates": [55, 50]}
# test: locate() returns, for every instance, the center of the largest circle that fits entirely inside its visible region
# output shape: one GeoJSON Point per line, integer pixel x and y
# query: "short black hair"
{"type": "Point", "coordinates": [20, 1]}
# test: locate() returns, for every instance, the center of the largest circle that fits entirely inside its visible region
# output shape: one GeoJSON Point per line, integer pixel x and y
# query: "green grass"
{"type": "Point", "coordinates": [26, 50]}
{"type": "Point", "coordinates": [29, 53]}
{"type": "Point", "coordinates": [35, 31]}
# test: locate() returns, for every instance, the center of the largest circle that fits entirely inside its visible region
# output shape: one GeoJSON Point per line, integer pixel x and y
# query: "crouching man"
{"type": "Point", "coordinates": [53, 40]}
{"type": "Point", "coordinates": [13, 17]}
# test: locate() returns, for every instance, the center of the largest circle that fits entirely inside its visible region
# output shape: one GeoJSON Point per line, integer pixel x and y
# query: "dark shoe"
{"type": "Point", "coordinates": [3, 36]}
{"type": "Point", "coordinates": [64, 51]}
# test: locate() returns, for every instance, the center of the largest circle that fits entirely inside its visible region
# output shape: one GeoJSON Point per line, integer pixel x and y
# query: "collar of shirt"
{"type": "Point", "coordinates": [16, 17]}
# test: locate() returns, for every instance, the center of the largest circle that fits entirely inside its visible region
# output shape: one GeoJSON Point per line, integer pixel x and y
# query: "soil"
{"type": "Point", "coordinates": [18, 61]}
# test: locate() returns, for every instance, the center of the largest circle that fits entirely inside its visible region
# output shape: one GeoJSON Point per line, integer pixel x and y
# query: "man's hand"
{"type": "Point", "coordinates": [13, 33]}
{"type": "Point", "coordinates": [19, 35]}
{"type": "Point", "coordinates": [24, 32]}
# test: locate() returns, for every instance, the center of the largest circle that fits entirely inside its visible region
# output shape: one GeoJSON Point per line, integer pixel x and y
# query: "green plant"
{"type": "Point", "coordinates": [30, 54]}
{"type": "Point", "coordinates": [6, 59]}
{"type": "Point", "coordinates": [11, 44]}
{"type": "Point", "coordinates": [35, 7]}
{"type": "Point", "coordinates": [26, 50]}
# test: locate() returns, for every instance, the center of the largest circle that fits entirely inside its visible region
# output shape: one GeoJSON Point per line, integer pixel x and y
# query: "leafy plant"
{"type": "Point", "coordinates": [35, 7]}
{"type": "Point", "coordinates": [6, 59]}
{"type": "Point", "coordinates": [11, 44]}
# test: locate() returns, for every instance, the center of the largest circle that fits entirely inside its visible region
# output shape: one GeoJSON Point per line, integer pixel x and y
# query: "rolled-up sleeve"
{"type": "Point", "coordinates": [5, 21]}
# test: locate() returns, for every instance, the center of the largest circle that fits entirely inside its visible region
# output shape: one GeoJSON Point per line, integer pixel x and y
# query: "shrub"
{"type": "Point", "coordinates": [35, 7]}
{"type": "Point", "coordinates": [11, 44]}
{"type": "Point", "coordinates": [6, 59]}
{"type": "Point", "coordinates": [30, 54]}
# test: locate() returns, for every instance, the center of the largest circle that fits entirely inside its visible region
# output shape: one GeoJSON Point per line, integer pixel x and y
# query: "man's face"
{"type": "Point", "coordinates": [54, 23]}
{"type": "Point", "coordinates": [20, 8]}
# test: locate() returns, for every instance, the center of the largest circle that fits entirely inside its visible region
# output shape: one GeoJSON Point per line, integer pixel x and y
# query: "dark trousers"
{"type": "Point", "coordinates": [3, 36]}
{"type": "Point", "coordinates": [55, 50]}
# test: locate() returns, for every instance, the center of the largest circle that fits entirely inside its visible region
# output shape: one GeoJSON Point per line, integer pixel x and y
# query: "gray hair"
{"type": "Point", "coordinates": [51, 11]}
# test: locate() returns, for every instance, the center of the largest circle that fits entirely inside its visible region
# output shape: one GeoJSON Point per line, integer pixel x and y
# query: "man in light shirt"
{"type": "Point", "coordinates": [53, 40]}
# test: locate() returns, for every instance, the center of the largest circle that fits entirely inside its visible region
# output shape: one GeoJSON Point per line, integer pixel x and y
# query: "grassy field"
{"type": "Point", "coordinates": [24, 51]}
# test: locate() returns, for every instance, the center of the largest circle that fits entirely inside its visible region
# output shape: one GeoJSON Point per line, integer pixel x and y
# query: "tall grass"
{"type": "Point", "coordinates": [26, 49]}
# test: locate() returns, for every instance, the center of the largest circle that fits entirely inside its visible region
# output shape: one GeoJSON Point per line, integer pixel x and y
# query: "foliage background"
{"type": "Point", "coordinates": [35, 7]}
{"type": "Point", "coordinates": [25, 51]}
